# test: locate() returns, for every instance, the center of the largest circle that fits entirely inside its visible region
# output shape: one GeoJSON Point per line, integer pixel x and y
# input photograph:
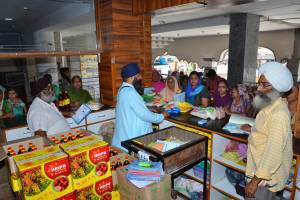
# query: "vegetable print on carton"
{"type": "Point", "coordinates": [45, 174]}
{"type": "Point", "coordinates": [89, 161]}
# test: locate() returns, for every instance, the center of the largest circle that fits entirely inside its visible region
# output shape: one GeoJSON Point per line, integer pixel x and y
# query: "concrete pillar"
{"type": "Point", "coordinates": [294, 63]}
{"type": "Point", "coordinates": [243, 45]}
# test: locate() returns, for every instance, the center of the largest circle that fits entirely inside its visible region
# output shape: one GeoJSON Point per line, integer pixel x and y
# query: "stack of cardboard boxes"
{"type": "Point", "coordinates": [77, 169]}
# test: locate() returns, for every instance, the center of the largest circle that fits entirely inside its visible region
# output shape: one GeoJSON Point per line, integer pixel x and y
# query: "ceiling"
{"type": "Point", "coordinates": [73, 17]}
{"type": "Point", "coordinates": [276, 15]}
{"type": "Point", "coordinates": [39, 14]}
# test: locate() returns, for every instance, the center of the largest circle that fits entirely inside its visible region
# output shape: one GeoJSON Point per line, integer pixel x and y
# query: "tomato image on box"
{"type": "Point", "coordinates": [45, 174]}
{"type": "Point", "coordinates": [101, 190]}
{"type": "Point", "coordinates": [89, 161]}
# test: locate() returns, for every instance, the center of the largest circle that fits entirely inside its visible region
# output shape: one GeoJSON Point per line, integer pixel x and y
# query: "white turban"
{"type": "Point", "coordinates": [278, 75]}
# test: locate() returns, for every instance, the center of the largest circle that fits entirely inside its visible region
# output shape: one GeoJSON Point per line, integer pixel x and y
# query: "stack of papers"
{"type": "Point", "coordinates": [142, 173]}
{"type": "Point", "coordinates": [235, 123]}
{"type": "Point", "coordinates": [166, 145]}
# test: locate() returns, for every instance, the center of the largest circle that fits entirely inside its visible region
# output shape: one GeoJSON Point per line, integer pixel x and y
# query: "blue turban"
{"type": "Point", "coordinates": [130, 70]}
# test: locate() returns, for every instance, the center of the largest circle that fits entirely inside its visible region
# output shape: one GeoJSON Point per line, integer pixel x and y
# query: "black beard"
{"type": "Point", "coordinates": [138, 86]}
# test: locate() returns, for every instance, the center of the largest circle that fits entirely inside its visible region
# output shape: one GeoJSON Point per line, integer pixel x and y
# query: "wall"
{"type": "Point", "coordinates": [9, 42]}
{"type": "Point", "coordinates": [194, 49]}
{"type": "Point", "coordinates": [280, 42]}
{"type": "Point", "coordinates": [8, 65]}
{"type": "Point", "coordinates": [197, 48]}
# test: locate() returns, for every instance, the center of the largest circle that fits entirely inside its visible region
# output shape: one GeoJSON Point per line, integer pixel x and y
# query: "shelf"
{"type": "Point", "coordinates": [239, 168]}
{"type": "Point", "coordinates": [190, 175]}
{"type": "Point", "coordinates": [227, 189]}
{"type": "Point", "coordinates": [230, 164]}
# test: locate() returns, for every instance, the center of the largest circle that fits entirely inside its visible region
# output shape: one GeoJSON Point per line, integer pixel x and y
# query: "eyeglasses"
{"type": "Point", "coordinates": [263, 84]}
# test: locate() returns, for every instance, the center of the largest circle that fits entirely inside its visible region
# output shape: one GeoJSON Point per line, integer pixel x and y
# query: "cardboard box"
{"type": "Point", "coordinates": [100, 190]}
{"type": "Point", "coordinates": [120, 155]}
{"type": "Point", "coordinates": [89, 160]}
{"type": "Point", "coordinates": [45, 174]}
{"type": "Point", "coordinates": [69, 136]}
{"type": "Point", "coordinates": [38, 141]}
{"type": "Point", "coordinates": [128, 191]}
{"type": "Point", "coordinates": [71, 196]}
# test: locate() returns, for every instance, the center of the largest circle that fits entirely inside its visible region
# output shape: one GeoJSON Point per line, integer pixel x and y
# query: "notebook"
{"type": "Point", "coordinates": [82, 112]}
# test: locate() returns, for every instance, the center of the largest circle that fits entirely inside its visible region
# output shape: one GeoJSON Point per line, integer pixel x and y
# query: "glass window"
{"type": "Point", "coordinates": [23, 73]}
{"type": "Point", "coordinates": [49, 25]}
{"type": "Point", "coordinates": [263, 55]}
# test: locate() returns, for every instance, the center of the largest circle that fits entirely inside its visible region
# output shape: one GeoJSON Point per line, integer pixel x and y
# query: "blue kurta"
{"type": "Point", "coordinates": [133, 118]}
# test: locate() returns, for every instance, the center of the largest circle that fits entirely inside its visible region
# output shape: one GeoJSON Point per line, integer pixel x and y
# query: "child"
{"type": "Point", "coordinates": [14, 105]}
{"type": "Point", "coordinates": [222, 96]}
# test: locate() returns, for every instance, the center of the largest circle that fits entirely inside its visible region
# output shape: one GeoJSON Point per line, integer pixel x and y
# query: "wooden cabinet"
{"type": "Point", "coordinates": [220, 186]}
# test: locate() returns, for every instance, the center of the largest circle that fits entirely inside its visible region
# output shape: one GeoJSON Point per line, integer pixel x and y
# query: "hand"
{"type": "Point", "coordinates": [68, 113]}
{"type": "Point", "coordinates": [40, 133]}
{"type": "Point", "coordinates": [226, 110]}
{"type": "Point", "coordinates": [246, 127]}
{"type": "Point", "coordinates": [251, 187]}
{"type": "Point", "coordinates": [8, 115]}
{"type": "Point", "coordinates": [166, 114]}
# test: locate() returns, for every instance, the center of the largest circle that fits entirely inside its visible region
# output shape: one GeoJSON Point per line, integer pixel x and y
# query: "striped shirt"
{"type": "Point", "coordinates": [270, 151]}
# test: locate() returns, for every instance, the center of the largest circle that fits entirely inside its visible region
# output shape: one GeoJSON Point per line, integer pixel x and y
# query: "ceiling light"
{"type": "Point", "coordinates": [8, 19]}
{"type": "Point", "coordinates": [26, 8]}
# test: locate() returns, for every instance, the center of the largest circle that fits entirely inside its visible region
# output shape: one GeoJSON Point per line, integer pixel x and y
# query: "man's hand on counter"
{"type": "Point", "coordinates": [166, 114]}
{"type": "Point", "coordinates": [40, 133]}
{"type": "Point", "coordinates": [246, 127]}
{"type": "Point", "coordinates": [68, 113]}
{"type": "Point", "coordinates": [8, 116]}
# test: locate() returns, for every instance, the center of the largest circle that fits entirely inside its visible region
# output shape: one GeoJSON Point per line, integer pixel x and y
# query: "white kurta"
{"type": "Point", "coordinates": [46, 117]}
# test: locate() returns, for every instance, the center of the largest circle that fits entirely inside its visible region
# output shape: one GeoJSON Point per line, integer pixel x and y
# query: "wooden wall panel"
{"type": "Point", "coordinates": [124, 35]}
{"type": "Point", "coordinates": [297, 119]}
{"type": "Point", "coordinates": [125, 38]}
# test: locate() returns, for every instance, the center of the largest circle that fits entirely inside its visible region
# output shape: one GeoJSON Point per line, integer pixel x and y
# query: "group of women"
{"type": "Point", "coordinates": [236, 100]}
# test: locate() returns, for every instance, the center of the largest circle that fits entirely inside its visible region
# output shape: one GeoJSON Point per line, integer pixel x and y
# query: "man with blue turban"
{"type": "Point", "coordinates": [133, 118]}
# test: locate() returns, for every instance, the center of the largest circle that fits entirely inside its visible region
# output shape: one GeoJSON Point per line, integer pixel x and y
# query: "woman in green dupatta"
{"type": "Point", "coordinates": [78, 95]}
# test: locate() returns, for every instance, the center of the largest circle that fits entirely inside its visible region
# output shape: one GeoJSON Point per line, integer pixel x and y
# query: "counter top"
{"type": "Point", "coordinates": [10, 124]}
{"type": "Point", "coordinates": [215, 127]}
{"type": "Point", "coordinates": [212, 126]}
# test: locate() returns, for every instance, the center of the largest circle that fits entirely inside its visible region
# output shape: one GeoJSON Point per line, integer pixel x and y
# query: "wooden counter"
{"type": "Point", "coordinates": [212, 126]}
{"type": "Point", "coordinates": [219, 185]}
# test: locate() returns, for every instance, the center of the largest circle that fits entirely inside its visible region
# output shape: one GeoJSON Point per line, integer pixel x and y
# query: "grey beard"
{"type": "Point", "coordinates": [262, 100]}
{"type": "Point", "coordinates": [48, 98]}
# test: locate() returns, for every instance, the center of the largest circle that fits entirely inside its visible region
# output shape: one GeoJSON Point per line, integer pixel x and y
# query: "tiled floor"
{"type": "Point", "coordinates": [5, 191]}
